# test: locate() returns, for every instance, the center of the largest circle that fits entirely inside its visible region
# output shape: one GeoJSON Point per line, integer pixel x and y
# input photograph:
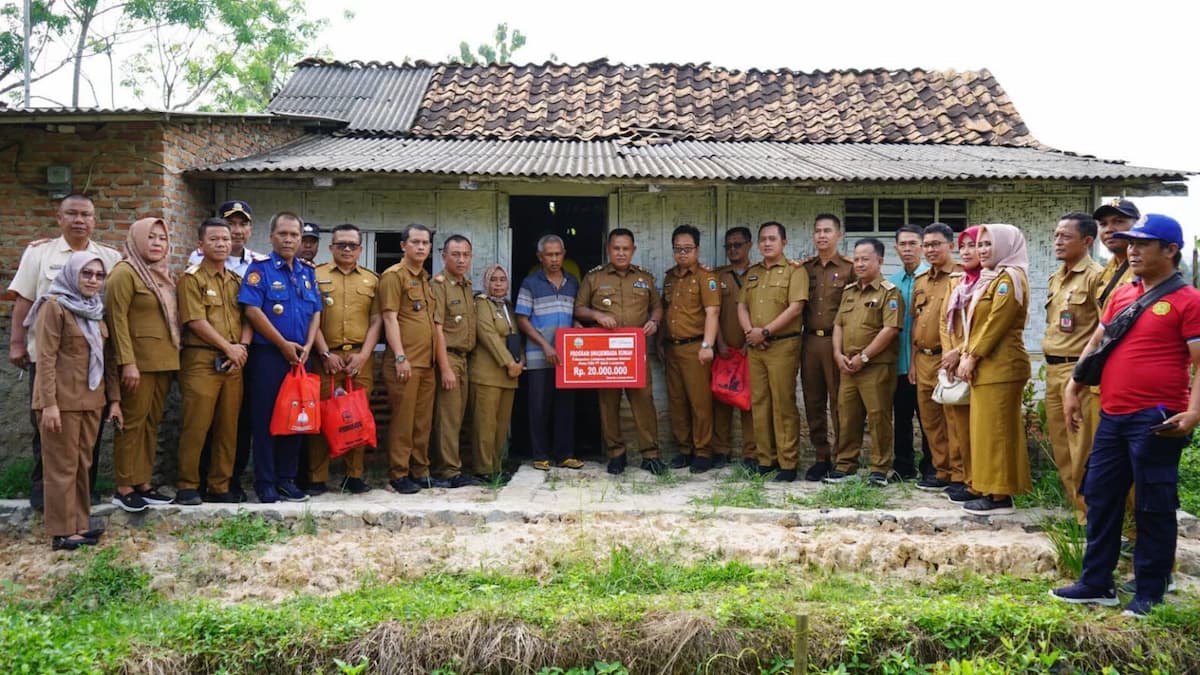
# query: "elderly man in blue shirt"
{"type": "Point", "coordinates": [908, 246]}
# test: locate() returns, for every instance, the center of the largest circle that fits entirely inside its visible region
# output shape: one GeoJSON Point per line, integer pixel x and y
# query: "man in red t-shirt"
{"type": "Point", "coordinates": [1144, 384]}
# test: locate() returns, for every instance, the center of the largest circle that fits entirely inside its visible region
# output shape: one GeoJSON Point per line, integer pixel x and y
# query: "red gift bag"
{"type": "Point", "coordinates": [297, 408]}
{"type": "Point", "coordinates": [731, 379]}
{"type": "Point", "coordinates": [347, 421]}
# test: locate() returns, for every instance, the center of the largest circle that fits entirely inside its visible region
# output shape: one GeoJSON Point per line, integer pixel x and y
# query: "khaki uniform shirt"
{"type": "Point", "coordinates": [686, 294]}
{"type": "Point", "coordinates": [40, 264]}
{"type": "Point", "coordinates": [731, 283]}
{"type": "Point", "coordinates": [348, 301]}
{"type": "Point", "coordinates": [1110, 271]}
{"type": "Point", "coordinates": [630, 296]}
{"type": "Point", "coordinates": [769, 290]}
{"type": "Point", "coordinates": [407, 293]}
{"type": "Point", "coordinates": [488, 363]}
{"type": "Point", "coordinates": [929, 294]}
{"type": "Point", "coordinates": [455, 312]}
{"type": "Point", "coordinates": [211, 297]}
{"type": "Point", "coordinates": [136, 323]}
{"type": "Point", "coordinates": [62, 378]}
{"type": "Point", "coordinates": [997, 324]}
{"type": "Point", "coordinates": [826, 280]}
{"type": "Point", "coordinates": [1072, 308]}
{"type": "Point", "coordinates": [866, 311]}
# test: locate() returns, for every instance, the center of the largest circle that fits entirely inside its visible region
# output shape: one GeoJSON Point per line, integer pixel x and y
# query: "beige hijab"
{"type": "Point", "coordinates": [1011, 255]}
{"type": "Point", "coordinates": [157, 275]}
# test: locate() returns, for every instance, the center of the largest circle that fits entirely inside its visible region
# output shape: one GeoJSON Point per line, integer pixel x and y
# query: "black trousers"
{"type": "Point", "coordinates": [36, 488]}
{"type": "Point", "coordinates": [551, 417]}
{"type": "Point", "coordinates": [903, 410]}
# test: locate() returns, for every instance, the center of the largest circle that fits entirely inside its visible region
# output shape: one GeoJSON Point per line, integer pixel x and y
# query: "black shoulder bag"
{"type": "Point", "coordinates": [1088, 369]}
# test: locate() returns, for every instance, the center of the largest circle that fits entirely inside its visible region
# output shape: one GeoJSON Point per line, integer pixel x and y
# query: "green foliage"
{"type": "Point", "coordinates": [14, 478]}
{"type": "Point", "coordinates": [1069, 539]}
{"type": "Point", "coordinates": [741, 488]}
{"type": "Point", "coordinates": [1189, 480]}
{"type": "Point", "coordinates": [345, 668]}
{"type": "Point", "coordinates": [46, 27]}
{"type": "Point", "coordinates": [104, 581]}
{"type": "Point", "coordinates": [1047, 490]}
{"type": "Point", "coordinates": [857, 495]}
{"type": "Point", "coordinates": [500, 51]}
{"type": "Point", "coordinates": [246, 531]}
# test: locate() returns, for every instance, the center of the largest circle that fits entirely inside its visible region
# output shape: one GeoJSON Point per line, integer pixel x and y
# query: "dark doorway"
{"type": "Point", "coordinates": [582, 222]}
{"type": "Point", "coordinates": [388, 251]}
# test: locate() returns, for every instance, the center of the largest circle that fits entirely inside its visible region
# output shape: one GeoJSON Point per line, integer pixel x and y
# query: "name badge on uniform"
{"type": "Point", "coordinates": [607, 302]}
{"type": "Point", "coordinates": [1066, 322]}
{"type": "Point", "coordinates": [210, 293]}
{"type": "Point", "coordinates": [277, 309]}
{"type": "Point", "coordinates": [276, 285]}
{"type": "Point", "coordinates": [56, 267]}
{"type": "Point", "coordinates": [640, 283]}
{"type": "Point", "coordinates": [329, 300]}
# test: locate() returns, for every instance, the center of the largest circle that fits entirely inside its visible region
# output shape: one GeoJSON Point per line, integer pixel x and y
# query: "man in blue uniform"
{"type": "Point", "coordinates": [282, 304]}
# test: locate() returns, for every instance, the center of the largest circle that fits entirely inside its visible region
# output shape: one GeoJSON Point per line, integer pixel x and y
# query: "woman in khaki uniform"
{"type": "Point", "coordinates": [953, 341]}
{"type": "Point", "coordinates": [142, 314]}
{"type": "Point", "coordinates": [998, 367]}
{"type": "Point", "coordinates": [74, 380]}
{"type": "Point", "coordinates": [493, 371]}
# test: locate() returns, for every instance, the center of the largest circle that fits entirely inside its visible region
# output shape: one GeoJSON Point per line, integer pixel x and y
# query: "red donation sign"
{"type": "Point", "coordinates": [598, 358]}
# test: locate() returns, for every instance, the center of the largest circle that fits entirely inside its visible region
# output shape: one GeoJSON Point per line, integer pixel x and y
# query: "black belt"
{"type": "Point", "coordinates": [686, 341]}
{"type": "Point", "coordinates": [930, 352]}
{"type": "Point", "coordinates": [205, 347]}
{"type": "Point", "coordinates": [348, 347]}
{"type": "Point", "coordinates": [819, 333]}
{"type": "Point", "coordinates": [784, 336]}
{"type": "Point", "coordinates": [457, 352]}
{"type": "Point", "coordinates": [1058, 360]}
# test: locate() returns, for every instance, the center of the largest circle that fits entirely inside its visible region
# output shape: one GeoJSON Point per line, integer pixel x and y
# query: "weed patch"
{"type": "Point", "coordinates": [1047, 492]}
{"type": "Point", "coordinates": [857, 495]}
{"type": "Point", "coordinates": [246, 531]}
{"type": "Point", "coordinates": [1069, 539]}
{"type": "Point", "coordinates": [1189, 480]}
{"type": "Point", "coordinates": [14, 478]}
{"type": "Point", "coordinates": [104, 581]}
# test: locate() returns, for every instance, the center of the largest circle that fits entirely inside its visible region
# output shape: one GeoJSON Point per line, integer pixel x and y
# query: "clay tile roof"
{"type": "Point", "coordinates": [608, 101]}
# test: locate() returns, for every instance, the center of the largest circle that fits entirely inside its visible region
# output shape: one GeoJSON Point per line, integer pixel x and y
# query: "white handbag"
{"type": "Point", "coordinates": [951, 391]}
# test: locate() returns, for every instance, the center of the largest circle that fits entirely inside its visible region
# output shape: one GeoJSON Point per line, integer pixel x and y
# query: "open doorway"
{"type": "Point", "coordinates": [582, 222]}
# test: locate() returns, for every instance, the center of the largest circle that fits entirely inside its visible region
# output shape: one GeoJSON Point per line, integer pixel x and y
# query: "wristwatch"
{"type": "Point", "coordinates": [864, 356]}
{"type": "Point", "coordinates": [705, 345]}
{"type": "Point", "coordinates": [766, 333]}
{"type": "Point", "coordinates": [325, 355]}
{"type": "Point", "coordinates": [401, 358]}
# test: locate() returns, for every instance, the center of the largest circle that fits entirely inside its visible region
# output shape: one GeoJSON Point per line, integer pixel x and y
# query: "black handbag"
{"type": "Point", "coordinates": [1087, 369]}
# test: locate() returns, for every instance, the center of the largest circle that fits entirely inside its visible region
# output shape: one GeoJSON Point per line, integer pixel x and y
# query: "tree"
{"type": "Point", "coordinates": [47, 28]}
{"type": "Point", "coordinates": [498, 52]}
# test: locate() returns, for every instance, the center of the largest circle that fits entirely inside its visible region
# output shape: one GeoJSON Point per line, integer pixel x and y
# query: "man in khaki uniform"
{"type": "Point", "coordinates": [40, 264]}
{"type": "Point", "coordinates": [1118, 215]}
{"type": "Point", "coordinates": [407, 303]}
{"type": "Point", "coordinates": [1072, 315]}
{"type": "Point", "coordinates": [350, 327]}
{"type": "Point", "coordinates": [929, 292]}
{"type": "Point", "coordinates": [614, 295]}
{"type": "Point", "coordinates": [865, 348]}
{"type": "Point", "coordinates": [730, 279]}
{"type": "Point", "coordinates": [454, 338]}
{"type": "Point", "coordinates": [829, 273]}
{"type": "Point", "coordinates": [693, 307]}
{"type": "Point", "coordinates": [210, 369]}
{"type": "Point", "coordinates": [769, 312]}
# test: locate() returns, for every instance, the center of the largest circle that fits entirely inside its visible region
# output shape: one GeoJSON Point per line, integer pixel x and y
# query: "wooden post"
{"type": "Point", "coordinates": [800, 646]}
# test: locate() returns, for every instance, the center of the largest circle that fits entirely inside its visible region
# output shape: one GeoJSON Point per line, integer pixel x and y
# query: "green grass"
{"type": "Point", "coordinates": [1047, 490]}
{"type": "Point", "coordinates": [246, 531]}
{"type": "Point", "coordinates": [14, 478]}
{"type": "Point", "coordinates": [740, 488]}
{"type": "Point", "coordinates": [1189, 479]}
{"type": "Point", "coordinates": [858, 495]}
{"type": "Point", "coordinates": [1069, 539]}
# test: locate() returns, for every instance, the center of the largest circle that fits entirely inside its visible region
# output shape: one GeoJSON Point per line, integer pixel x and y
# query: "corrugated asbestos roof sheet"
{"type": "Point", "coordinates": [686, 160]}
{"type": "Point", "coordinates": [368, 97]}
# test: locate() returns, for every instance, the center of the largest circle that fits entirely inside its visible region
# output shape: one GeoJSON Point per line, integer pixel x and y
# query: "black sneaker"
{"type": "Point", "coordinates": [132, 502]}
{"type": "Point", "coordinates": [959, 493]}
{"type": "Point", "coordinates": [681, 461]}
{"type": "Point", "coordinates": [616, 465]}
{"type": "Point", "coordinates": [1130, 587]}
{"type": "Point", "coordinates": [1081, 594]}
{"type": "Point", "coordinates": [429, 482]}
{"type": "Point", "coordinates": [239, 493]}
{"type": "Point", "coordinates": [932, 484]}
{"type": "Point", "coordinates": [463, 480]}
{"type": "Point", "coordinates": [764, 470]}
{"type": "Point", "coordinates": [654, 466]}
{"type": "Point", "coordinates": [405, 486]}
{"type": "Point", "coordinates": [288, 492]}
{"type": "Point", "coordinates": [266, 494]}
{"type": "Point", "coordinates": [37, 497]}
{"type": "Point", "coordinates": [1139, 608]}
{"type": "Point", "coordinates": [906, 474]}
{"type": "Point", "coordinates": [188, 498]}
{"type": "Point", "coordinates": [836, 476]}
{"type": "Point", "coordinates": [700, 465]}
{"type": "Point", "coordinates": [221, 498]}
{"type": "Point", "coordinates": [719, 461]}
{"type": "Point", "coordinates": [785, 476]}
{"type": "Point", "coordinates": [986, 506]}
{"type": "Point", "coordinates": [316, 489]}
{"type": "Point", "coordinates": [355, 486]}
{"type": "Point", "coordinates": [750, 465]}
{"type": "Point", "coordinates": [154, 497]}
{"type": "Point", "coordinates": [881, 479]}
{"type": "Point", "coordinates": [818, 471]}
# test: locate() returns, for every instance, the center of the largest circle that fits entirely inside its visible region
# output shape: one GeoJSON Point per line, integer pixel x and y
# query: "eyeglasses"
{"type": "Point", "coordinates": [685, 250]}
{"type": "Point", "coordinates": [346, 246]}
{"type": "Point", "coordinates": [735, 245]}
{"type": "Point", "coordinates": [934, 244]}
{"type": "Point", "coordinates": [89, 274]}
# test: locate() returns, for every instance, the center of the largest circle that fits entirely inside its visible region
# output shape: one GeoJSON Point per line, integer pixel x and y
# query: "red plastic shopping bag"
{"type": "Point", "coordinates": [731, 379]}
{"type": "Point", "coordinates": [297, 408]}
{"type": "Point", "coordinates": [347, 421]}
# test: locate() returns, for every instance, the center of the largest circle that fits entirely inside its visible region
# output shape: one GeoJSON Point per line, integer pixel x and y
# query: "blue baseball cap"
{"type": "Point", "coordinates": [1155, 226]}
{"type": "Point", "coordinates": [234, 206]}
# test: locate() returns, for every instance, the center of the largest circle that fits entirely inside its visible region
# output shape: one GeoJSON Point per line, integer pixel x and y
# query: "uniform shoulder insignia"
{"type": "Point", "coordinates": [439, 279]}
{"type": "Point", "coordinates": [636, 268]}
{"type": "Point", "coordinates": [258, 257]}
{"type": "Point", "coordinates": [324, 265]}
{"type": "Point", "coordinates": [808, 260]}
{"type": "Point", "coordinates": [370, 273]}
{"type": "Point", "coordinates": [849, 260]}
{"type": "Point", "coordinates": [887, 284]}
{"type": "Point", "coordinates": [922, 273]}
{"type": "Point", "coordinates": [306, 262]}
{"type": "Point", "coordinates": [706, 268]}
{"type": "Point", "coordinates": [595, 269]}
{"type": "Point", "coordinates": [481, 296]}
{"type": "Point", "coordinates": [38, 242]}
{"type": "Point", "coordinates": [192, 270]}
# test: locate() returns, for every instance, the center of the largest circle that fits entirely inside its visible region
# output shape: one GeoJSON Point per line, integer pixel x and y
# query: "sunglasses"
{"type": "Point", "coordinates": [346, 246]}
{"type": "Point", "coordinates": [89, 274]}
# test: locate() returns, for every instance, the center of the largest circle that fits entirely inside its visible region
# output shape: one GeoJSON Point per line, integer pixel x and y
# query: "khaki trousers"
{"type": "Point", "coordinates": [723, 430]}
{"type": "Point", "coordinates": [819, 378]}
{"type": "Point", "coordinates": [448, 415]}
{"type": "Point", "coordinates": [958, 424]}
{"type": "Point", "coordinates": [866, 398]}
{"type": "Point", "coordinates": [135, 445]}
{"type": "Point", "coordinates": [933, 417]}
{"type": "Point", "coordinates": [66, 458]}
{"type": "Point", "coordinates": [1071, 448]}
{"type": "Point", "coordinates": [491, 409]}
{"type": "Point", "coordinates": [773, 400]}
{"type": "Point", "coordinates": [645, 419]}
{"type": "Point", "coordinates": [411, 402]}
{"type": "Point", "coordinates": [690, 398]}
{"type": "Point", "coordinates": [318, 447]}
{"type": "Point", "coordinates": [211, 402]}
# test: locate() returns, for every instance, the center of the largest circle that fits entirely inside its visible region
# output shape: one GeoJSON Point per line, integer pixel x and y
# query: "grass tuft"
{"type": "Point", "coordinates": [104, 581]}
{"type": "Point", "coordinates": [1069, 539]}
{"type": "Point", "coordinates": [246, 531]}
{"type": "Point", "coordinates": [857, 495]}
{"type": "Point", "coordinates": [14, 478]}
